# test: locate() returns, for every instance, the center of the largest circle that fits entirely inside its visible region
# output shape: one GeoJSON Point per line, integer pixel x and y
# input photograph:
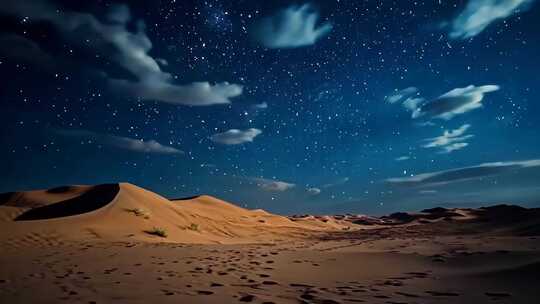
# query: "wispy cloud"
{"type": "Point", "coordinates": [292, 27]}
{"type": "Point", "coordinates": [113, 39]}
{"type": "Point", "coordinates": [399, 95]}
{"type": "Point", "coordinates": [402, 158]}
{"type": "Point", "coordinates": [454, 147]}
{"type": "Point", "coordinates": [464, 174]}
{"type": "Point", "coordinates": [137, 145]}
{"type": "Point", "coordinates": [195, 94]}
{"type": "Point", "coordinates": [454, 102]}
{"type": "Point", "coordinates": [479, 14]}
{"type": "Point", "coordinates": [235, 136]}
{"type": "Point", "coordinates": [313, 191]}
{"type": "Point", "coordinates": [408, 97]}
{"type": "Point", "coordinates": [451, 140]}
{"type": "Point", "coordinates": [412, 103]}
{"type": "Point", "coordinates": [338, 182]}
{"type": "Point", "coordinates": [273, 185]}
{"type": "Point", "coordinates": [261, 106]}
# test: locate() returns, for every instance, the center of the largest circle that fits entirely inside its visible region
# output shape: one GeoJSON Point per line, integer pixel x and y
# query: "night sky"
{"type": "Point", "coordinates": [295, 107]}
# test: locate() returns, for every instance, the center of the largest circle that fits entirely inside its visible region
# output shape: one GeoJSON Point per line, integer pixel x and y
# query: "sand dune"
{"type": "Point", "coordinates": [121, 243]}
{"type": "Point", "coordinates": [126, 212]}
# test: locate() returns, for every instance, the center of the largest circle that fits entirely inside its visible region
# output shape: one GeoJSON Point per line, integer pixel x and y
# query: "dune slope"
{"type": "Point", "coordinates": [127, 212]}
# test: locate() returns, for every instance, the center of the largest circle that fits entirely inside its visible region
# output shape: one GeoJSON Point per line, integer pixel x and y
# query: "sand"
{"type": "Point", "coordinates": [101, 244]}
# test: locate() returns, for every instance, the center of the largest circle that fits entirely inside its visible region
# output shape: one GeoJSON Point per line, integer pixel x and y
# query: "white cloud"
{"type": "Point", "coordinates": [338, 182]}
{"type": "Point", "coordinates": [454, 102]}
{"type": "Point", "coordinates": [235, 136]}
{"type": "Point", "coordinates": [195, 94]}
{"type": "Point", "coordinates": [314, 191]}
{"type": "Point", "coordinates": [261, 106]}
{"type": "Point", "coordinates": [451, 140]}
{"type": "Point", "coordinates": [411, 103]}
{"type": "Point", "coordinates": [295, 26]}
{"type": "Point", "coordinates": [465, 173]}
{"type": "Point", "coordinates": [479, 14]}
{"type": "Point", "coordinates": [454, 147]}
{"type": "Point", "coordinates": [399, 95]}
{"type": "Point", "coordinates": [402, 158]}
{"type": "Point", "coordinates": [111, 38]}
{"type": "Point", "coordinates": [273, 185]}
{"type": "Point", "coordinates": [137, 145]}
{"type": "Point", "coordinates": [408, 98]}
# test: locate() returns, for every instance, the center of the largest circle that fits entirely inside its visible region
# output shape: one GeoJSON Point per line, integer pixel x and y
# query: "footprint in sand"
{"type": "Point", "coordinates": [301, 285]}
{"type": "Point", "coordinates": [442, 294]}
{"type": "Point", "coordinates": [408, 295]}
{"type": "Point", "coordinates": [247, 298]}
{"type": "Point", "coordinates": [498, 294]}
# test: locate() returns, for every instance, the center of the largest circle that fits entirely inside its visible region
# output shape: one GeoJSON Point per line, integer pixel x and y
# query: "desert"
{"type": "Point", "coordinates": [121, 243]}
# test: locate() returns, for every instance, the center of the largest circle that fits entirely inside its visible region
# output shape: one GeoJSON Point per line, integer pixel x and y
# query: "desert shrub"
{"type": "Point", "coordinates": [193, 227]}
{"type": "Point", "coordinates": [138, 212]}
{"type": "Point", "coordinates": [157, 231]}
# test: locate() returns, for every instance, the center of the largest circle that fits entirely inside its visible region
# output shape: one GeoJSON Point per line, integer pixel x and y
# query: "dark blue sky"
{"type": "Point", "coordinates": [294, 107]}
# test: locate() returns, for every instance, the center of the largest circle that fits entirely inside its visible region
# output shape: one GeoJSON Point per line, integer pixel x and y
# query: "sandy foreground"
{"type": "Point", "coordinates": [123, 244]}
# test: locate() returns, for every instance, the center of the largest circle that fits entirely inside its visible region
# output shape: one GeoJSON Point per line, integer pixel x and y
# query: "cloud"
{"type": "Point", "coordinates": [454, 102]}
{"type": "Point", "coordinates": [195, 94]}
{"type": "Point", "coordinates": [338, 182]}
{"type": "Point", "coordinates": [293, 27]}
{"type": "Point", "coordinates": [261, 106]}
{"type": "Point", "coordinates": [137, 145]}
{"type": "Point", "coordinates": [464, 174]}
{"type": "Point", "coordinates": [273, 185]}
{"type": "Point", "coordinates": [111, 38]}
{"type": "Point", "coordinates": [402, 158]}
{"type": "Point", "coordinates": [479, 14]}
{"type": "Point", "coordinates": [411, 104]}
{"type": "Point", "coordinates": [408, 97]}
{"type": "Point", "coordinates": [235, 136]}
{"type": "Point", "coordinates": [313, 191]}
{"type": "Point", "coordinates": [451, 140]}
{"type": "Point", "coordinates": [454, 147]}
{"type": "Point", "coordinates": [399, 95]}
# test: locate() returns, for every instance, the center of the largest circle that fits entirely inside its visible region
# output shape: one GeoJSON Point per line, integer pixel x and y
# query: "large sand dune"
{"type": "Point", "coordinates": [123, 212]}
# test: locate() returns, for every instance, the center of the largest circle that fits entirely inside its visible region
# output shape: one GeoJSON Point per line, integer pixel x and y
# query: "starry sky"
{"type": "Point", "coordinates": [327, 106]}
